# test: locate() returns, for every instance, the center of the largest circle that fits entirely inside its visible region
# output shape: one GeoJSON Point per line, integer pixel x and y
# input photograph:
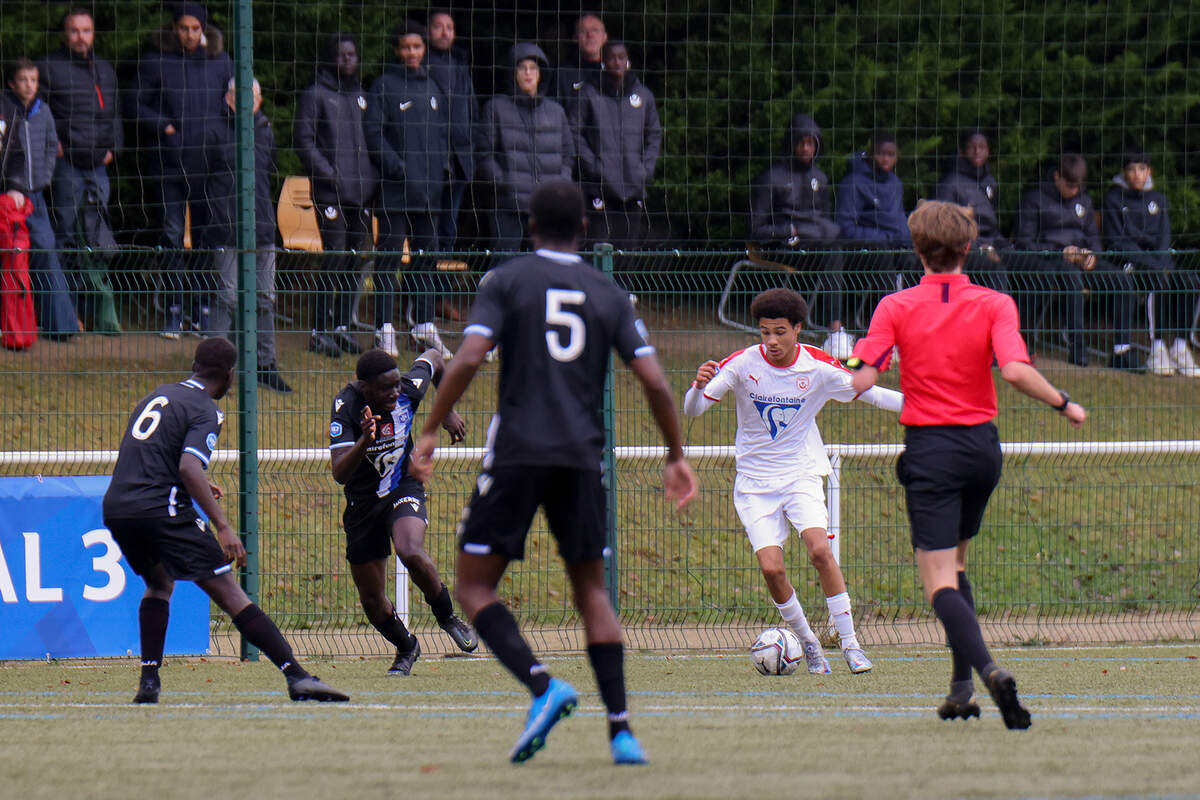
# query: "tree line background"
{"type": "Point", "coordinates": [1097, 77]}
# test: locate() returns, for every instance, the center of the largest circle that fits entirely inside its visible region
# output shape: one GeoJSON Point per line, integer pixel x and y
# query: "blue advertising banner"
{"type": "Point", "coordinates": [65, 590]}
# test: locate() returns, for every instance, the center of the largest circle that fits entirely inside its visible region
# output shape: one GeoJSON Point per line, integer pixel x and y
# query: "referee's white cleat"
{"type": "Point", "coordinates": [815, 656]}
{"type": "Point", "coordinates": [857, 660]}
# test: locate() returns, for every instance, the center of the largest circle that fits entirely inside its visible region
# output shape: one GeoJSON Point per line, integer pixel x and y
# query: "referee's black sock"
{"type": "Point", "coordinates": [394, 631]}
{"type": "Point", "coordinates": [261, 632]}
{"type": "Point", "coordinates": [153, 614]}
{"type": "Point", "coordinates": [441, 605]}
{"type": "Point", "coordinates": [962, 667]}
{"type": "Point", "coordinates": [962, 628]}
{"type": "Point", "coordinates": [499, 630]}
{"type": "Point", "coordinates": [608, 663]}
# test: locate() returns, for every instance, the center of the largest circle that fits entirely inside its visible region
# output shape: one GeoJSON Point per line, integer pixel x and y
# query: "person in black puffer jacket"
{"type": "Point", "coordinates": [407, 132]}
{"type": "Point", "coordinates": [1056, 226]}
{"type": "Point", "coordinates": [179, 100]}
{"type": "Point", "coordinates": [328, 137]}
{"type": "Point", "coordinates": [791, 218]}
{"type": "Point", "coordinates": [523, 139]}
{"type": "Point", "coordinates": [618, 138]}
{"type": "Point", "coordinates": [970, 183]}
{"type": "Point", "coordinates": [1137, 229]}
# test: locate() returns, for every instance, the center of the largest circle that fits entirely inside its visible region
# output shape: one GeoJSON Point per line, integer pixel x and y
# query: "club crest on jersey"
{"type": "Point", "coordinates": [802, 383]}
{"type": "Point", "coordinates": [433, 103]}
{"type": "Point", "coordinates": [988, 191]}
{"type": "Point", "coordinates": [1080, 210]}
{"type": "Point", "coordinates": [1152, 207]}
{"type": "Point", "coordinates": [635, 100]}
{"type": "Point", "coordinates": [815, 184]}
{"type": "Point", "coordinates": [331, 213]}
{"type": "Point", "coordinates": [387, 429]}
{"type": "Point", "coordinates": [335, 430]}
{"type": "Point", "coordinates": [362, 102]}
{"type": "Point", "coordinates": [211, 441]}
{"type": "Point", "coordinates": [777, 416]}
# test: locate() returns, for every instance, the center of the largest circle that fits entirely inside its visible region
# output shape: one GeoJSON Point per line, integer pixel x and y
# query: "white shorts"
{"type": "Point", "coordinates": [766, 508]}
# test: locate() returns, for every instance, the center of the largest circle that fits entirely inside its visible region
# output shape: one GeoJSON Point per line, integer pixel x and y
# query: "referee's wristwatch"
{"type": "Point", "coordinates": [1066, 398]}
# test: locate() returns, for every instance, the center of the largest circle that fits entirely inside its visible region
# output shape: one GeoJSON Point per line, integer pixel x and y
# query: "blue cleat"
{"type": "Point", "coordinates": [626, 749]}
{"type": "Point", "coordinates": [557, 702]}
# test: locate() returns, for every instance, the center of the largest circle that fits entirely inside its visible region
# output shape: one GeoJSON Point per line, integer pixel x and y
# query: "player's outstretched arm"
{"type": "Point", "coordinates": [195, 480]}
{"type": "Point", "coordinates": [457, 378]}
{"type": "Point", "coordinates": [887, 399]}
{"type": "Point", "coordinates": [678, 479]}
{"type": "Point", "coordinates": [1026, 379]}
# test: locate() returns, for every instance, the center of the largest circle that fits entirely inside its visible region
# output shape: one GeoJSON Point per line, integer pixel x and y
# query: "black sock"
{"type": "Point", "coordinates": [442, 608]}
{"type": "Point", "coordinates": [261, 632]}
{"type": "Point", "coordinates": [607, 662]}
{"type": "Point", "coordinates": [394, 631]}
{"type": "Point", "coordinates": [499, 630]}
{"type": "Point", "coordinates": [962, 667]}
{"type": "Point", "coordinates": [962, 629]}
{"type": "Point", "coordinates": [153, 614]}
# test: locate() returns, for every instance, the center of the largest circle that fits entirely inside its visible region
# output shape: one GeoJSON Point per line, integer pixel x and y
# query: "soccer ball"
{"type": "Point", "coordinates": [777, 651]}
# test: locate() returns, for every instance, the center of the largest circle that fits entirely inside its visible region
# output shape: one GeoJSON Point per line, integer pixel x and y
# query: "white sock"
{"type": "Point", "coordinates": [1120, 349]}
{"type": "Point", "coordinates": [841, 618]}
{"type": "Point", "coordinates": [793, 615]}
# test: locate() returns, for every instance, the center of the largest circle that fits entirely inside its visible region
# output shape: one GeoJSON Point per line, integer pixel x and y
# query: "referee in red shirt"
{"type": "Point", "coordinates": [949, 331]}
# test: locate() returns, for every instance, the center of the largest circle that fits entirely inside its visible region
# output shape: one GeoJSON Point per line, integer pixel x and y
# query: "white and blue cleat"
{"type": "Point", "coordinates": [626, 749]}
{"type": "Point", "coordinates": [557, 702]}
{"type": "Point", "coordinates": [857, 660]}
{"type": "Point", "coordinates": [814, 656]}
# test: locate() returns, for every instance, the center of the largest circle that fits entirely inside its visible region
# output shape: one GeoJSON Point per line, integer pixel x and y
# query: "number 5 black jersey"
{"type": "Point", "coordinates": [556, 319]}
{"type": "Point", "coordinates": [386, 460]}
{"type": "Point", "coordinates": [174, 419]}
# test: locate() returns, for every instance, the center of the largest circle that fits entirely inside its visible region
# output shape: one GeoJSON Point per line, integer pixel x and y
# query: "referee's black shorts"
{"type": "Point", "coordinates": [948, 473]}
{"type": "Point", "coordinates": [184, 545]}
{"type": "Point", "coordinates": [497, 518]}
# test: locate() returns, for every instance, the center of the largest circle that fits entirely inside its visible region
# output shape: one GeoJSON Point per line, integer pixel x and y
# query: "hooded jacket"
{"type": "Point", "coordinates": [186, 90]}
{"type": "Point", "coordinates": [452, 73]}
{"type": "Point", "coordinates": [328, 137]}
{"type": "Point", "coordinates": [29, 142]}
{"type": "Point", "coordinates": [792, 198]}
{"type": "Point", "coordinates": [870, 204]}
{"type": "Point", "coordinates": [618, 138]}
{"type": "Point", "coordinates": [1137, 226]}
{"type": "Point", "coordinates": [975, 187]}
{"type": "Point", "coordinates": [82, 93]}
{"type": "Point", "coordinates": [1049, 221]}
{"type": "Point", "coordinates": [523, 140]}
{"type": "Point", "coordinates": [406, 128]}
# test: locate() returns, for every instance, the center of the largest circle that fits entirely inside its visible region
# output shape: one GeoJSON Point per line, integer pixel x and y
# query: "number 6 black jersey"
{"type": "Point", "coordinates": [556, 319]}
{"type": "Point", "coordinates": [174, 419]}
{"type": "Point", "coordinates": [386, 460]}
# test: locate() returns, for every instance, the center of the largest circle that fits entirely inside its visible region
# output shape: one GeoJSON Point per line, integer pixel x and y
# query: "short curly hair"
{"type": "Point", "coordinates": [373, 363]}
{"type": "Point", "coordinates": [779, 304]}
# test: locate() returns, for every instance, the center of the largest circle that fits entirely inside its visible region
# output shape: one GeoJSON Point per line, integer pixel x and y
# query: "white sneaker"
{"type": "Point", "coordinates": [857, 660]}
{"type": "Point", "coordinates": [385, 339]}
{"type": "Point", "coordinates": [426, 335]}
{"type": "Point", "coordinates": [1160, 361]}
{"type": "Point", "coordinates": [1185, 364]}
{"type": "Point", "coordinates": [814, 656]}
{"type": "Point", "coordinates": [839, 344]}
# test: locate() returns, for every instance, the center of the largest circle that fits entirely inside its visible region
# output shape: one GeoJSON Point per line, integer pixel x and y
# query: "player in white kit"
{"type": "Point", "coordinates": [779, 387]}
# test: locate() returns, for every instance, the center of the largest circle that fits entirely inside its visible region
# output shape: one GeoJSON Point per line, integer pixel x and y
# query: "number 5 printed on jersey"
{"type": "Point", "coordinates": [576, 335]}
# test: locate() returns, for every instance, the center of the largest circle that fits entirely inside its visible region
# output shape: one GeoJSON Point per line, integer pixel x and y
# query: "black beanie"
{"type": "Point", "coordinates": [196, 10]}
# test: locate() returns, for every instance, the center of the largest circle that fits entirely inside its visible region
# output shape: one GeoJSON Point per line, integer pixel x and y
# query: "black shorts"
{"type": "Point", "coordinates": [948, 473]}
{"type": "Point", "coordinates": [184, 545]}
{"type": "Point", "coordinates": [497, 518]}
{"type": "Point", "coordinates": [368, 522]}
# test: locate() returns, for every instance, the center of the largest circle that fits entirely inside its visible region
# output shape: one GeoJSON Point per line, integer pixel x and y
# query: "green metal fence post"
{"type": "Point", "coordinates": [246, 325]}
{"type": "Point", "coordinates": [603, 260]}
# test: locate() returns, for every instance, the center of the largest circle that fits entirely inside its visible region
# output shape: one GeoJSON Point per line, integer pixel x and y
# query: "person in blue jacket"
{"type": "Point", "coordinates": [178, 102]}
{"type": "Point", "coordinates": [407, 132]}
{"type": "Point", "coordinates": [870, 213]}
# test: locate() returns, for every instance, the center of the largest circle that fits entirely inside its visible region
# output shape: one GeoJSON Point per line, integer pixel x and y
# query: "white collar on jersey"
{"type": "Point", "coordinates": [562, 258]}
{"type": "Point", "coordinates": [194, 384]}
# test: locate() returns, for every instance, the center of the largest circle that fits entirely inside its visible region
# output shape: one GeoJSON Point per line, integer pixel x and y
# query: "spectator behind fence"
{"type": "Point", "coordinates": [329, 139]}
{"type": "Point", "coordinates": [970, 183]}
{"type": "Point", "coordinates": [870, 213]}
{"type": "Point", "coordinates": [407, 135]}
{"type": "Point", "coordinates": [618, 136]}
{"type": "Point", "coordinates": [1058, 216]}
{"type": "Point", "coordinates": [791, 217]}
{"type": "Point", "coordinates": [448, 66]}
{"type": "Point", "coordinates": [81, 89]}
{"type": "Point", "coordinates": [1137, 229]}
{"type": "Point", "coordinates": [180, 97]}
{"type": "Point", "coordinates": [583, 66]}
{"type": "Point", "coordinates": [523, 139]}
{"type": "Point", "coordinates": [31, 150]}
{"type": "Point", "coordinates": [222, 144]}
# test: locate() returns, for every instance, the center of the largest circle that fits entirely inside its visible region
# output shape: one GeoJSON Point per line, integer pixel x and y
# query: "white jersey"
{"type": "Point", "coordinates": [777, 407]}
